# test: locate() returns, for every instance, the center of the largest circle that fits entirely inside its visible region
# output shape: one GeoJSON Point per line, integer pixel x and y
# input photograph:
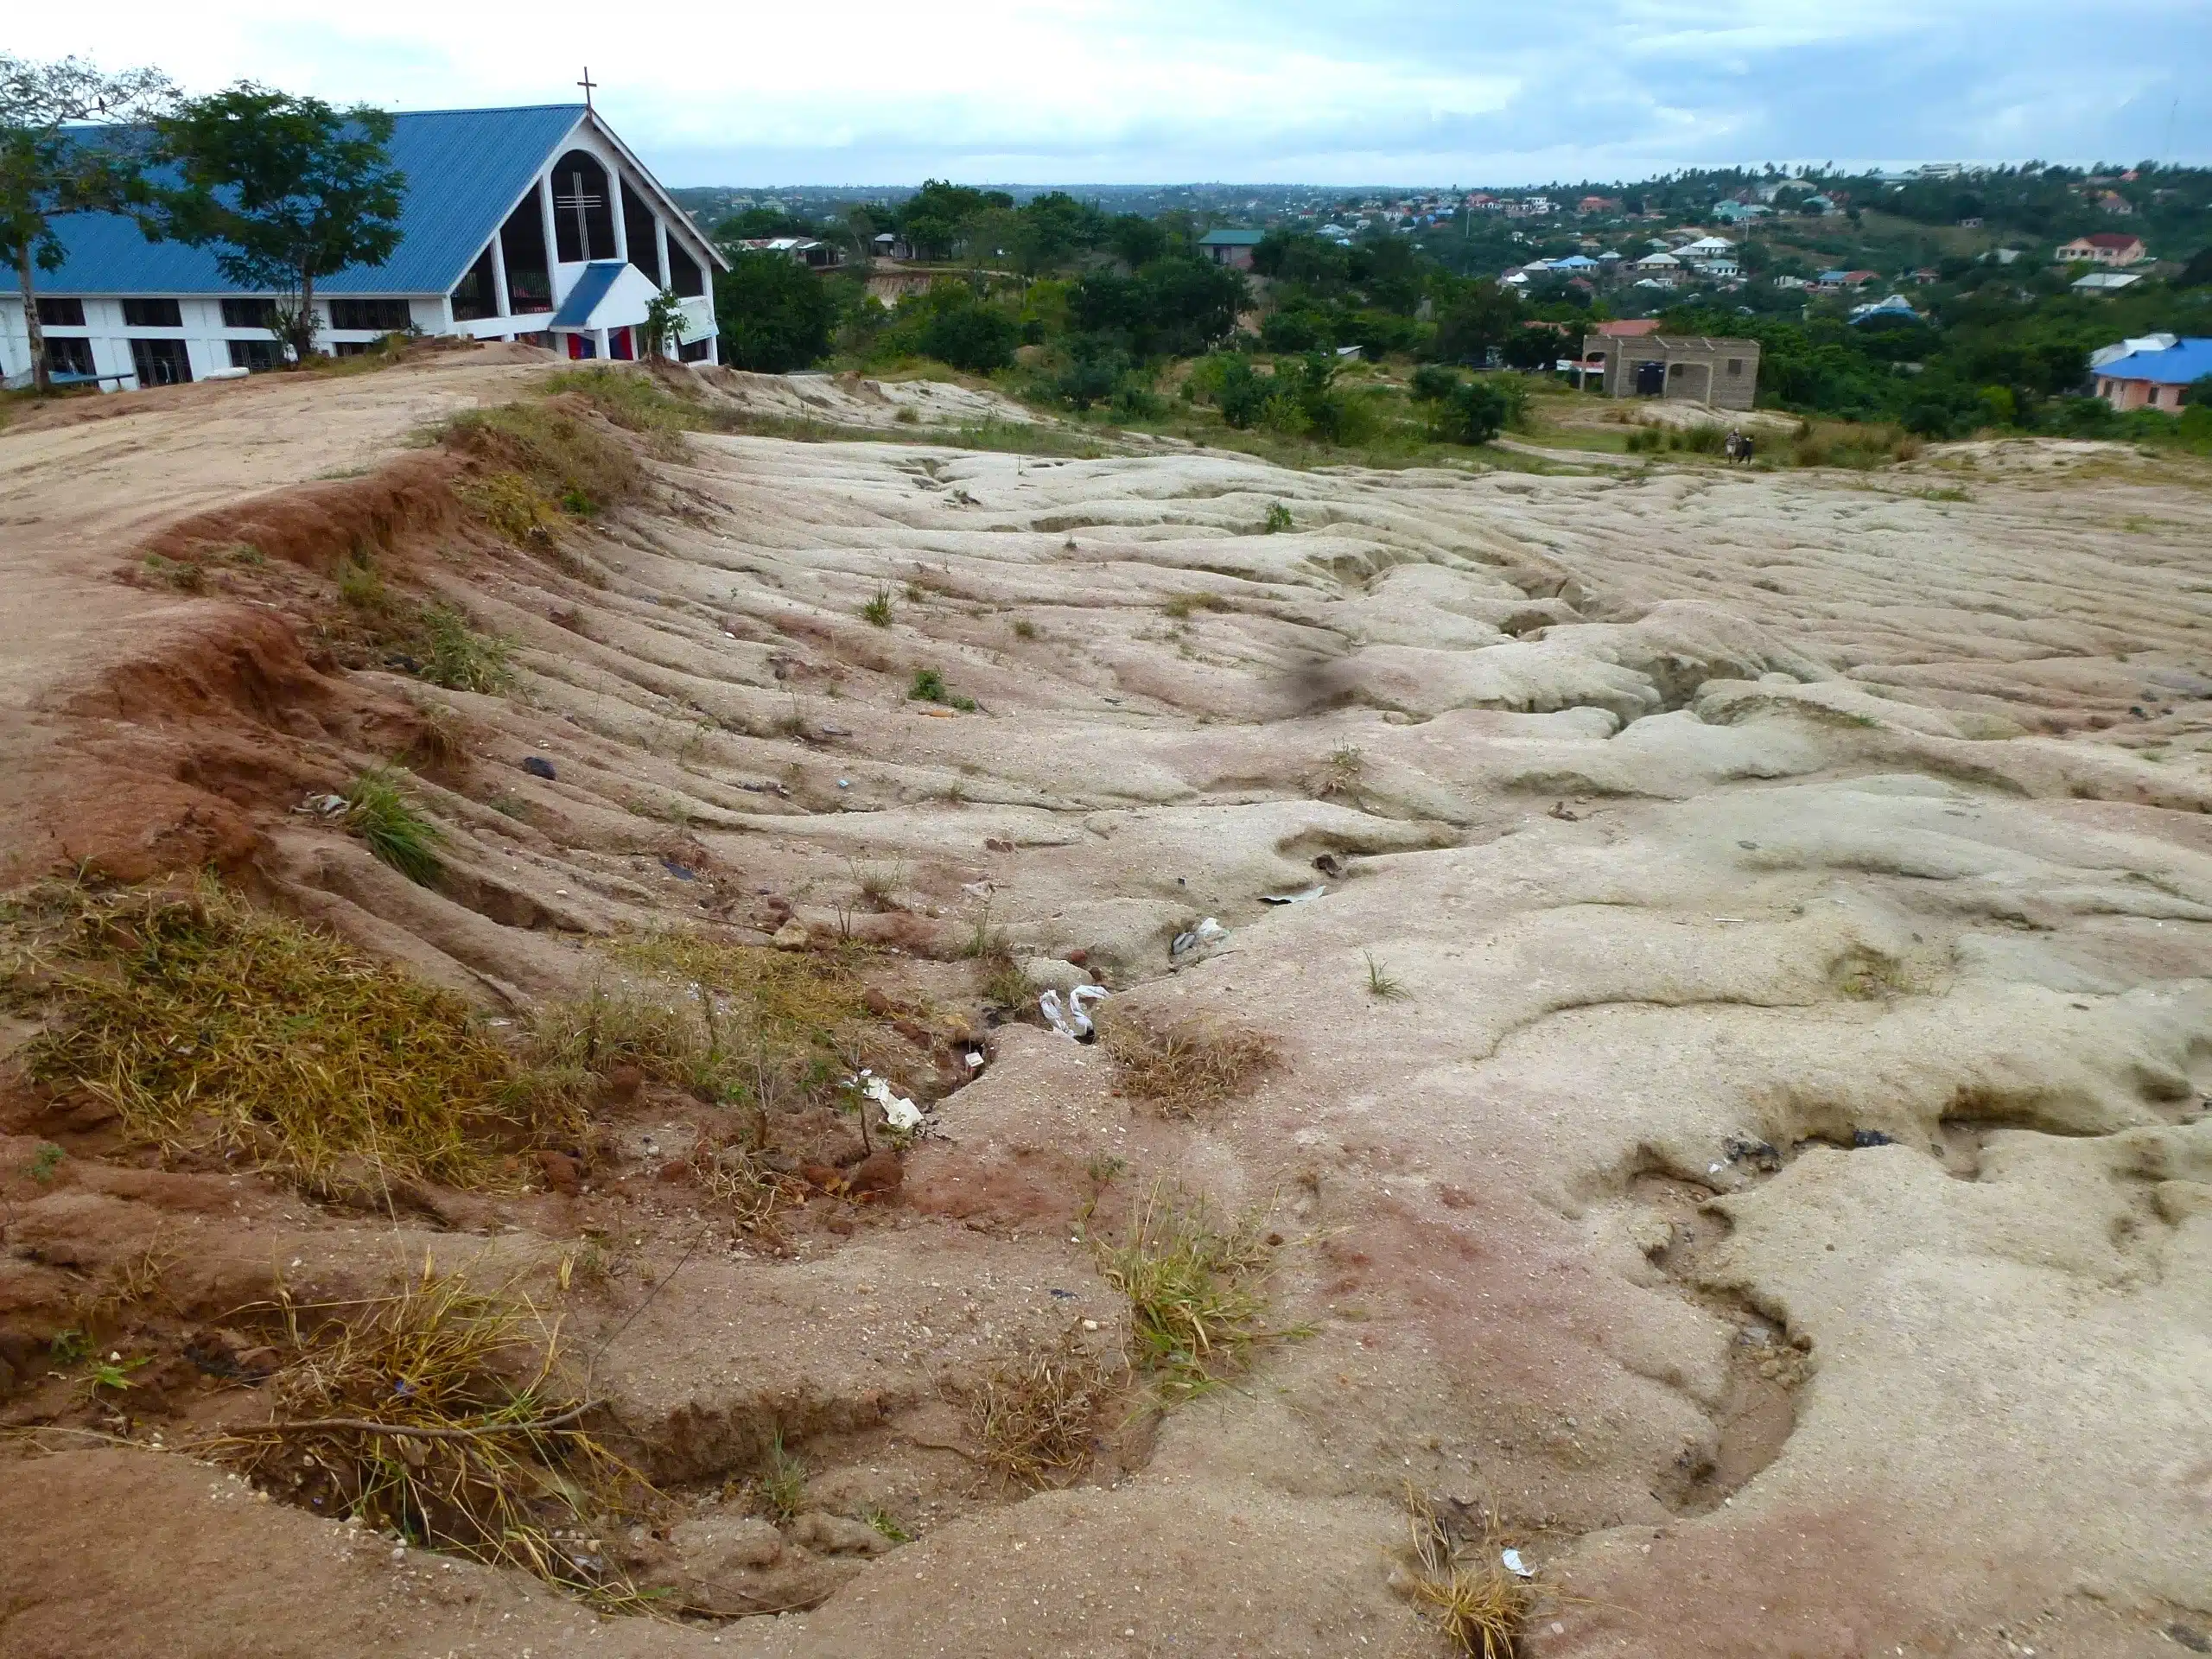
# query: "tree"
{"type": "Point", "coordinates": [286, 189]}
{"type": "Point", "coordinates": [1475, 322]}
{"type": "Point", "coordinates": [1472, 412]}
{"type": "Point", "coordinates": [663, 323]}
{"type": "Point", "coordinates": [775, 314]}
{"type": "Point", "coordinates": [47, 171]}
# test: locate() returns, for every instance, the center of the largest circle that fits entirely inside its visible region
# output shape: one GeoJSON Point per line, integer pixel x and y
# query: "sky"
{"type": "Point", "coordinates": [1131, 91]}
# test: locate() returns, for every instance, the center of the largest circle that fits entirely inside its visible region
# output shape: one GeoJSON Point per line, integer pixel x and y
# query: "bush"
{"type": "Point", "coordinates": [1473, 411]}
{"type": "Point", "coordinates": [974, 337]}
{"type": "Point", "coordinates": [775, 315]}
{"type": "Point", "coordinates": [1292, 331]}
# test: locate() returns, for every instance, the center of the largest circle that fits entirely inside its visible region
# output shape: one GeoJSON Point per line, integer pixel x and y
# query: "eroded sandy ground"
{"type": "Point", "coordinates": [1783, 1189]}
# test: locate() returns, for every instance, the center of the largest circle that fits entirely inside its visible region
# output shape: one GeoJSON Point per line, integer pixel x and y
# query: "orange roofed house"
{"type": "Point", "coordinates": [2115, 248]}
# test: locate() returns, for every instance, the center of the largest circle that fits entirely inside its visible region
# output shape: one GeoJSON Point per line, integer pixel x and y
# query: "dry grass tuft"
{"type": "Point", "coordinates": [439, 1413]}
{"type": "Point", "coordinates": [202, 1020]}
{"type": "Point", "coordinates": [566, 458]}
{"type": "Point", "coordinates": [1183, 1066]}
{"type": "Point", "coordinates": [763, 1028]}
{"type": "Point", "coordinates": [1480, 1605]}
{"type": "Point", "coordinates": [1036, 1413]}
{"type": "Point", "coordinates": [1194, 1313]}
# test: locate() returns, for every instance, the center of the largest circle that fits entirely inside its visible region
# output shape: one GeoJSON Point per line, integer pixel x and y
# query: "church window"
{"type": "Point", "coordinates": [583, 215]}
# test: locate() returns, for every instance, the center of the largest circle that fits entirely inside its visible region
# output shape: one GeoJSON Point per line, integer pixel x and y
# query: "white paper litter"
{"type": "Point", "coordinates": [1515, 1565]}
{"type": "Point", "coordinates": [1306, 897]}
{"type": "Point", "coordinates": [323, 806]}
{"type": "Point", "coordinates": [1206, 934]}
{"type": "Point", "coordinates": [1075, 1023]}
{"type": "Point", "coordinates": [898, 1112]}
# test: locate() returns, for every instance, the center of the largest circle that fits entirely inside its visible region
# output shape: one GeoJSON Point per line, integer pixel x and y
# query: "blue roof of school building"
{"type": "Point", "coordinates": [476, 164]}
{"type": "Point", "coordinates": [2177, 366]}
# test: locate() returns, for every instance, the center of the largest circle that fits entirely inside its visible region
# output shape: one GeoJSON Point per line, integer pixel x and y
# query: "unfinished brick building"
{"type": "Point", "coordinates": [1681, 368]}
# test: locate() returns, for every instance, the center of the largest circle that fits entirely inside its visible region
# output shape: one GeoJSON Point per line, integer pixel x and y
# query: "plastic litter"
{"type": "Point", "coordinates": [974, 1059]}
{"type": "Point", "coordinates": [1305, 898]}
{"type": "Point", "coordinates": [537, 767]}
{"type": "Point", "coordinates": [1207, 934]}
{"type": "Point", "coordinates": [681, 872]}
{"type": "Point", "coordinates": [322, 806]}
{"type": "Point", "coordinates": [1075, 1023]}
{"type": "Point", "coordinates": [844, 782]}
{"type": "Point", "coordinates": [1871, 1138]}
{"type": "Point", "coordinates": [898, 1112]}
{"type": "Point", "coordinates": [1514, 1565]}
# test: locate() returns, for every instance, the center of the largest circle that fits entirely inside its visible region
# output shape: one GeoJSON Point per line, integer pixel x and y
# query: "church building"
{"type": "Point", "coordinates": [534, 224]}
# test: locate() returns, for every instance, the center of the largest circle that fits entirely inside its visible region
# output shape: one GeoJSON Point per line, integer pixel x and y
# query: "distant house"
{"type": "Point", "coordinates": [1662, 261]}
{"type": "Point", "coordinates": [2115, 204]}
{"type": "Point", "coordinates": [891, 246]}
{"type": "Point", "coordinates": [1622, 329]}
{"type": "Point", "coordinates": [1896, 305]}
{"type": "Point", "coordinates": [1598, 204]}
{"type": "Point", "coordinates": [2154, 377]}
{"type": "Point", "coordinates": [1530, 208]}
{"type": "Point", "coordinates": [1845, 282]}
{"type": "Point", "coordinates": [1481, 201]}
{"type": "Point", "coordinates": [2114, 248]}
{"type": "Point", "coordinates": [800, 250]}
{"type": "Point", "coordinates": [1734, 212]}
{"type": "Point", "coordinates": [1821, 205]}
{"type": "Point", "coordinates": [2105, 281]}
{"type": "Point", "coordinates": [1721, 373]}
{"type": "Point", "coordinates": [1232, 248]}
{"type": "Point", "coordinates": [1971, 222]}
{"type": "Point", "coordinates": [1706, 247]}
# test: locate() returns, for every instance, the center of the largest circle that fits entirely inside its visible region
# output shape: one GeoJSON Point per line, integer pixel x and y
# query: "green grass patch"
{"type": "Point", "coordinates": [1196, 1312]}
{"type": "Point", "coordinates": [928, 686]}
{"type": "Point", "coordinates": [380, 810]}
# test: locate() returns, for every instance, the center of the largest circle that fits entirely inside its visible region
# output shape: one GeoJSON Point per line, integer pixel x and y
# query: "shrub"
{"type": "Point", "coordinates": [1473, 411]}
{"type": "Point", "coordinates": [929, 686]}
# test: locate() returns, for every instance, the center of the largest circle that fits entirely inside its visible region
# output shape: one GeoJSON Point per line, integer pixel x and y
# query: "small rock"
{"type": "Point", "coordinates": [993, 844]}
{"type": "Point", "coordinates": [791, 936]}
{"type": "Point", "coordinates": [537, 767]}
{"type": "Point", "coordinates": [837, 1535]}
{"type": "Point", "coordinates": [876, 1002]}
{"type": "Point", "coordinates": [1871, 1138]}
{"type": "Point", "coordinates": [562, 1173]}
{"type": "Point", "coordinates": [623, 1082]}
{"type": "Point", "coordinates": [880, 1173]}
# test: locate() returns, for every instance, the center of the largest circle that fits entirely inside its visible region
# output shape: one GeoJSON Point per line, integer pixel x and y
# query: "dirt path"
{"type": "Point", "coordinates": [1741, 1118]}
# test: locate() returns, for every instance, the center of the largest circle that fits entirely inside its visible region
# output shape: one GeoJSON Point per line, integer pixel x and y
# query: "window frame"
{"type": "Point", "coordinates": [153, 311]}
{"type": "Point", "coordinates": [56, 312]}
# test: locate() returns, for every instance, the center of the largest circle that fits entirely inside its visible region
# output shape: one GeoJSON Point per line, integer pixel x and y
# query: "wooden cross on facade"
{"type": "Point", "coordinates": [586, 82]}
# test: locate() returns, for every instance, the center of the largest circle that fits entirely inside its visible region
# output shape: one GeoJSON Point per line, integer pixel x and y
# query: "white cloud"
{"type": "Point", "coordinates": [1096, 91]}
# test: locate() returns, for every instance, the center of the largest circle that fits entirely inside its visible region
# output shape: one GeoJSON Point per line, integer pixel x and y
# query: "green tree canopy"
{"type": "Point", "coordinates": [47, 170]}
{"type": "Point", "coordinates": [775, 315]}
{"type": "Point", "coordinates": [283, 188]}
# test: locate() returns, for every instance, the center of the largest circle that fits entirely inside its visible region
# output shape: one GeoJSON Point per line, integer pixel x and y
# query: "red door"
{"type": "Point", "coordinates": [617, 345]}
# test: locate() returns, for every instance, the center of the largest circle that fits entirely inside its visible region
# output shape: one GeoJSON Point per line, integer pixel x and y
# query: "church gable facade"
{"type": "Point", "coordinates": [534, 224]}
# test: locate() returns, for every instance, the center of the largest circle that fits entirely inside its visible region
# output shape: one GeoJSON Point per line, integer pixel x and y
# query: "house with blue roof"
{"type": "Point", "coordinates": [534, 224]}
{"type": "Point", "coordinates": [2154, 373]}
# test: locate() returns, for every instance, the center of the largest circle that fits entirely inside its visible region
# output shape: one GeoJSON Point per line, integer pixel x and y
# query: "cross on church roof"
{"type": "Point", "coordinates": [586, 82]}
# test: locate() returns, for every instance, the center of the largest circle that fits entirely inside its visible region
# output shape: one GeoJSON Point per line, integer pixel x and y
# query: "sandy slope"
{"type": "Point", "coordinates": [1783, 1190]}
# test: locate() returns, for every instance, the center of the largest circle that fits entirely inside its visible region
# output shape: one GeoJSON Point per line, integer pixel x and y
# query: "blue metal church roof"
{"type": "Point", "coordinates": [465, 169]}
{"type": "Point", "coordinates": [583, 299]}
